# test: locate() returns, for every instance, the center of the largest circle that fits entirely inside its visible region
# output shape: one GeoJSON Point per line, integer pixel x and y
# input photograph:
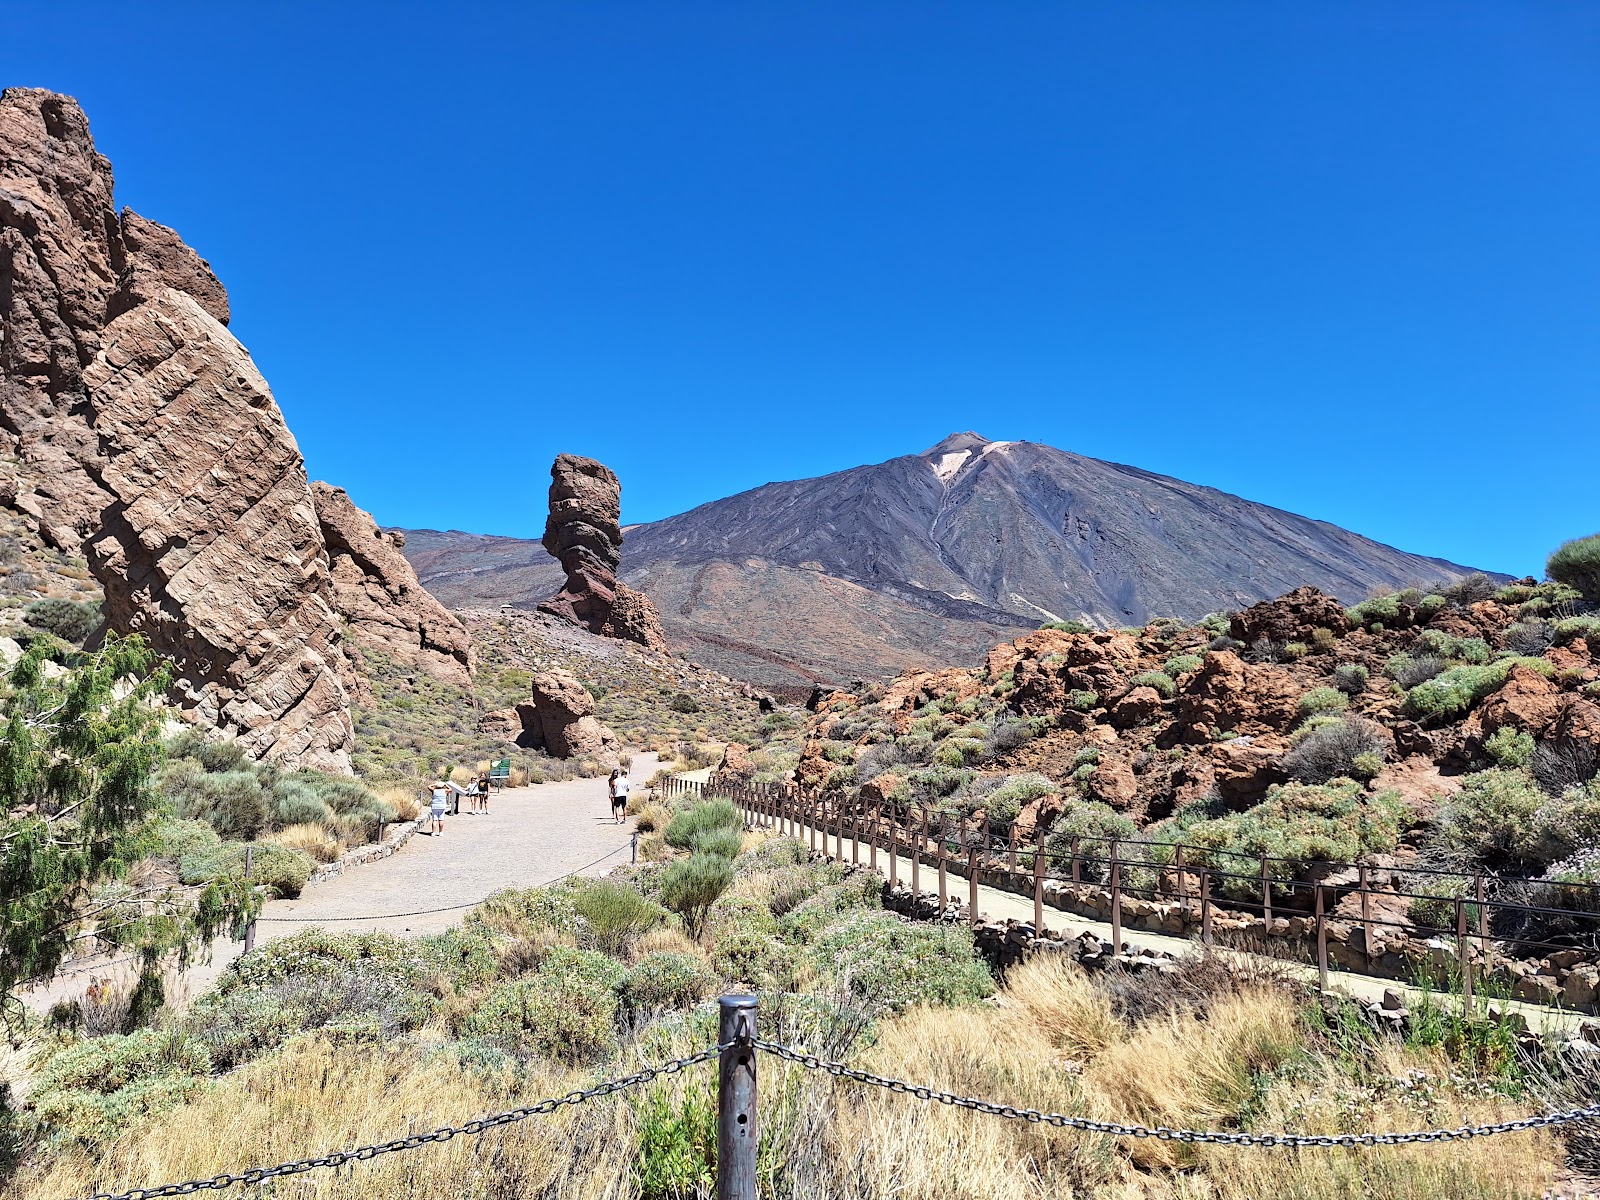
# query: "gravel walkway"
{"type": "Point", "coordinates": [531, 836]}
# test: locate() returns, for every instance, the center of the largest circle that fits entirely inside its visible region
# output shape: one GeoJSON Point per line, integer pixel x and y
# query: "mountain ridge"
{"type": "Point", "coordinates": [969, 535]}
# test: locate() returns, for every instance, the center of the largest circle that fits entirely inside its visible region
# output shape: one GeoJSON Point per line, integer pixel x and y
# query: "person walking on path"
{"type": "Point", "coordinates": [483, 794]}
{"type": "Point", "coordinates": [619, 788]}
{"type": "Point", "coordinates": [439, 795]}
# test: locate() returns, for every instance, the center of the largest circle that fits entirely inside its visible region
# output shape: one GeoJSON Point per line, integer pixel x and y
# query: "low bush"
{"type": "Point", "coordinates": [565, 1010]}
{"type": "Point", "coordinates": [1323, 700]}
{"type": "Point", "coordinates": [614, 915]}
{"type": "Point", "coordinates": [1350, 678]}
{"type": "Point", "coordinates": [1083, 701]}
{"type": "Point", "coordinates": [311, 839]}
{"type": "Point", "coordinates": [1302, 824]}
{"type": "Point", "coordinates": [690, 886]}
{"type": "Point", "coordinates": [69, 620]}
{"type": "Point", "coordinates": [1563, 826]}
{"type": "Point", "coordinates": [707, 817]}
{"type": "Point", "coordinates": [1571, 628]}
{"type": "Point", "coordinates": [280, 868]}
{"type": "Point", "coordinates": [1335, 749]}
{"type": "Point", "coordinates": [1490, 820]}
{"type": "Point", "coordinates": [1469, 589]}
{"type": "Point", "coordinates": [1577, 564]}
{"type": "Point", "coordinates": [1529, 637]}
{"type": "Point", "coordinates": [1093, 824]}
{"type": "Point", "coordinates": [1457, 690]}
{"type": "Point", "coordinates": [665, 981]}
{"type": "Point", "coordinates": [888, 965]}
{"type": "Point", "coordinates": [1182, 664]}
{"type": "Point", "coordinates": [101, 1086]}
{"type": "Point", "coordinates": [1510, 747]}
{"type": "Point", "coordinates": [1159, 680]}
{"type": "Point", "coordinates": [1068, 626]}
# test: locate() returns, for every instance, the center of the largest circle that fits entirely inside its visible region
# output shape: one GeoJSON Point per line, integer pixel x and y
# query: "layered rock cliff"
{"type": "Point", "coordinates": [140, 434]}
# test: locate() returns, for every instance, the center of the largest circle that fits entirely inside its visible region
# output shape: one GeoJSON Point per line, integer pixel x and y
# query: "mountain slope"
{"type": "Point", "coordinates": [921, 558]}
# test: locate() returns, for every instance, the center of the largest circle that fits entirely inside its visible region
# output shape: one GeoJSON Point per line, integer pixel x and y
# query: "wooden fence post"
{"type": "Point", "coordinates": [1484, 944]}
{"type": "Point", "coordinates": [1116, 900]}
{"type": "Point", "coordinates": [894, 854]}
{"type": "Point", "coordinates": [1183, 881]}
{"type": "Point", "coordinates": [1366, 913]}
{"type": "Point", "coordinates": [1205, 908]}
{"type": "Point", "coordinates": [1012, 862]}
{"type": "Point", "coordinates": [1322, 942]}
{"type": "Point", "coordinates": [916, 863]}
{"type": "Point", "coordinates": [250, 929]}
{"type": "Point", "coordinates": [1463, 950]}
{"type": "Point", "coordinates": [737, 1135]}
{"type": "Point", "coordinates": [1038, 884]}
{"type": "Point", "coordinates": [872, 838]}
{"type": "Point", "coordinates": [944, 897]}
{"type": "Point", "coordinates": [1074, 861]}
{"type": "Point", "coordinates": [855, 830]}
{"type": "Point", "coordinates": [972, 885]}
{"type": "Point", "coordinates": [1266, 897]}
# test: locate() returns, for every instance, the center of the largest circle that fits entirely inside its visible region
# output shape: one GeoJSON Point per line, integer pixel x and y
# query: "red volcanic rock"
{"type": "Point", "coordinates": [584, 533]}
{"type": "Point", "coordinates": [1245, 769]}
{"type": "Point", "coordinates": [1527, 701]}
{"type": "Point", "coordinates": [736, 761]}
{"type": "Point", "coordinates": [377, 593]}
{"type": "Point", "coordinates": [1138, 706]}
{"type": "Point", "coordinates": [502, 723]}
{"type": "Point", "coordinates": [1290, 618]}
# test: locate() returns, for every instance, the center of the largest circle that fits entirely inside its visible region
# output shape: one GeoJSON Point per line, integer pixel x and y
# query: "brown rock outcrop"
{"type": "Point", "coordinates": [736, 761]}
{"type": "Point", "coordinates": [560, 720]}
{"type": "Point", "coordinates": [1290, 618]}
{"type": "Point", "coordinates": [584, 533]}
{"type": "Point", "coordinates": [376, 591]}
{"type": "Point", "coordinates": [147, 440]}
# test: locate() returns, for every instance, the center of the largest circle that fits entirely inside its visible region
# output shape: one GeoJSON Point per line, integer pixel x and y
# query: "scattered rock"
{"type": "Point", "coordinates": [1294, 617]}
{"type": "Point", "coordinates": [560, 720]}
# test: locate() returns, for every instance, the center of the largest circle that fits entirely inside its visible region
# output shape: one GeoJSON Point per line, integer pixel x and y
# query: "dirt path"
{"type": "Point", "coordinates": [531, 836]}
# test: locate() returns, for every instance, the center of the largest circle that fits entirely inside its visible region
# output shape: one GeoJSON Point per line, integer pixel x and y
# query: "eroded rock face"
{"type": "Point", "coordinates": [584, 533]}
{"type": "Point", "coordinates": [1294, 617]}
{"type": "Point", "coordinates": [147, 440]}
{"type": "Point", "coordinates": [376, 591]}
{"type": "Point", "coordinates": [559, 719]}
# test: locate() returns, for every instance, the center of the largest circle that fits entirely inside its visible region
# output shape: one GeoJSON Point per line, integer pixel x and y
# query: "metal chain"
{"type": "Point", "coordinates": [1033, 1116]}
{"type": "Point", "coordinates": [338, 1158]}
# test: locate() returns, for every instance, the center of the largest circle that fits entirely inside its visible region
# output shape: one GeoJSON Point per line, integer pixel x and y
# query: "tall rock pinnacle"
{"type": "Point", "coordinates": [585, 533]}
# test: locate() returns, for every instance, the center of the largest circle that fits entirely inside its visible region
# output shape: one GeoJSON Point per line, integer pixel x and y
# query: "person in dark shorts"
{"type": "Point", "coordinates": [618, 786]}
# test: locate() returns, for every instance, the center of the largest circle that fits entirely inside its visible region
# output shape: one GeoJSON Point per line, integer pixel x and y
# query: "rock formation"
{"type": "Point", "coordinates": [560, 720]}
{"type": "Point", "coordinates": [585, 534]}
{"type": "Point", "coordinates": [145, 438]}
{"type": "Point", "coordinates": [377, 593]}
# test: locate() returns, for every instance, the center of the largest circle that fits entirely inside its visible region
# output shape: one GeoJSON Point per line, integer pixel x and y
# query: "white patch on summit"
{"type": "Point", "coordinates": [949, 464]}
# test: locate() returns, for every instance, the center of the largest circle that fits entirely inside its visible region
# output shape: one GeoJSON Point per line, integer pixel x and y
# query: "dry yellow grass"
{"type": "Point", "coordinates": [317, 1096]}
{"type": "Point", "coordinates": [666, 938]}
{"type": "Point", "coordinates": [314, 839]}
{"type": "Point", "coordinates": [406, 803]}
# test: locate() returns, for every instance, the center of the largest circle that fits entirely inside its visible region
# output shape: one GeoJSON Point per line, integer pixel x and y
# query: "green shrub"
{"type": "Point", "coordinates": [1562, 826]}
{"type": "Point", "coordinates": [690, 886]}
{"type": "Point", "coordinates": [1159, 680]}
{"type": "Point", "coordinates": [296, 804]}
{"type": "Point", "coordinates": [1490, 821]}
{"type": "Point", "coordinates": [1182, 664]}
{"type": "Point", "coordinates": [1021, 789]}
{"type": "Point", "coordinates": [1093, 824]}
{"type": "Point", "coordinates": [279, 868]}
{"type": "Point", "coordinates": [615, 915]}
{"type": "Point", "coordinates": [665, 981]}
{"type": "Point", "coordinates": [889, 965]}
{"type": "Point", "coordinates": [723, 843]}
{"type": "Point", "coordinates": [1350, 678]}
{"type": "Point", "coordinates": [1295, 651]}
{"type": "Point", "coordinates": [1303, 824]}
{"type": "Point", "coordinates": [1577, 564]}
{"type": "Point", "coordinates": [565, 1010]}
{"type": "Point", "coordinates": [682, 702]}
{"type": "Point", "coordinates": [173, 837]}
{"type": "Point", "coordinates": [101, 1086]}
{"type": "Point", "coordinates": [1510, 747]}
{"type": "Point", "coordinates": [1068, 626]}
{"type": "Point", "coordinates": [1587, 628]}
{"type": "Point", "coordinates": [1083, 701]}
{"type": "Point", "coordinates": [710, 816]}
{"type": "Point", "coordinates": [1366, 766]}
{"type": "Point", "coordinates": [1323, 700]}
{"type": "Point", "coordinates": [1457, 690]}
{"type": "Point", "coordinates": [69, 620]}
{"type": "Point", "coordinates": [1380, 610]}
{"type": "Point", "coordinates": [517, 912]}
{"type": "Point", "coordinates": [234, 803]}
{"type": "Point", "coordinates": [1331, 749]}
{"type": "Point", "coordinates": [957, 752]}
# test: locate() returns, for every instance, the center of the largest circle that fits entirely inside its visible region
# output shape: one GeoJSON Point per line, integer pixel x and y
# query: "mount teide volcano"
{"type": "Point", "coordinates": [932, 557]}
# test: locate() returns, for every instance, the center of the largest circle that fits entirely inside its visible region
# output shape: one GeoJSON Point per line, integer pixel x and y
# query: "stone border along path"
{"type": "Point", "coordinates": [1001, 905]}
{"type": "Point", "coordinates": [531, 836]}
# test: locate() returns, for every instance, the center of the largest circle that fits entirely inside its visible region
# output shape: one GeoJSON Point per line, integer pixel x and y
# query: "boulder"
{"type": "Point", "coordinates": [376, 591]}
{"type": "Point", "coordinates": [502, 723]}
{"type": "Point", "coordinates": [736, 761]}
{"type": "Point", "coordinates": [1138, 706]}
{"type": "Point", "coordinates": [1113, 781]}
{"type": "Point", "coordinates": [584, 533]}
{"type": "Point", "coordinates": [560, 720]}
{"type": "Point", "coordinates": [1244, 769]}
{"type": "Point", "coordinates": [1294, 617]}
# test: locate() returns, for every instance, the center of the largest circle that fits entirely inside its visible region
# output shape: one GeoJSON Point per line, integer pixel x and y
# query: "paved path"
{"type": "Point", "coordinates": [531, 836]}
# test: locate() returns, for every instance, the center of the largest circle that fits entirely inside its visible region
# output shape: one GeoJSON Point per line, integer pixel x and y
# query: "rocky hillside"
{"type": "Point", "coordinates": [933, 556]}
{"type": "Point", "coordinates": [1458, 729]}
{"type": "Point", "coordinates": [138, 439]}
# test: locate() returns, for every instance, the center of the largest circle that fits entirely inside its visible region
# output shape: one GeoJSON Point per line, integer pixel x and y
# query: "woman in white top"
{"type": "Point", "coordinates": [619, 795]}
{"type": "Point", "coordinates": [439, 796]}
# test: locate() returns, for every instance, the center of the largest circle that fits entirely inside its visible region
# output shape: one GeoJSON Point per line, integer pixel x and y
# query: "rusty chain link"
{"type": "Point", "coordinates": [813, 1063]}
{"type": "Point", "coordinates": [339, 1158]}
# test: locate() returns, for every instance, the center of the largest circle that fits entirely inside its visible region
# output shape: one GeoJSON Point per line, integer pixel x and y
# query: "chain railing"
{"type": "Point", "coordinates": [738, 1130]}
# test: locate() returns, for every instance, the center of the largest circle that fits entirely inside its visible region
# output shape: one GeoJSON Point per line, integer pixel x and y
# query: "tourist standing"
{"type": "Point", "coordinates": [483, 794]}
{"type": "Point", "coordinates": [438, 797]}
{"type": "Point", "coordinates": [619, 795]}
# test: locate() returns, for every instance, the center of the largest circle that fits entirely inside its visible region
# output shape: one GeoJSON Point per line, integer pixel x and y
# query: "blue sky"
{"type": "Point", "coordinates": [1343, 258]}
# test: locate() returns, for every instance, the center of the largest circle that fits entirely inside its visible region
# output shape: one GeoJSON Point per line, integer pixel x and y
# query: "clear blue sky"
{"type": "Point", "coordinates": [1342, 257]}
